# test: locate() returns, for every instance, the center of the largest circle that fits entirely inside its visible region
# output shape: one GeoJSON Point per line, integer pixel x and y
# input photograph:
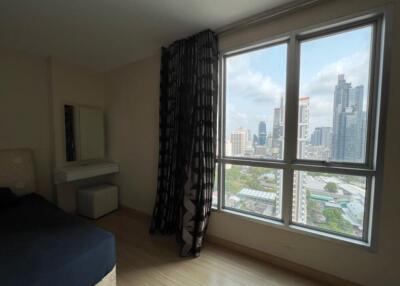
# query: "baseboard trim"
{"type": "Point", "coordinates": [316, 275]}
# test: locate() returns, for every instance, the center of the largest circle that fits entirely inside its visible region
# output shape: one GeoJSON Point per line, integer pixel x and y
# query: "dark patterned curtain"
{"type": "Point", "coordinates": [69, 133]}
{"type": "Point", "coordinates": [188, 113]}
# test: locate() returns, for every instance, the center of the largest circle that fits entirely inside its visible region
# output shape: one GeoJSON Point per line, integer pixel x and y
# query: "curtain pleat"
{"type": "Point", "coordinates": [187, 152]}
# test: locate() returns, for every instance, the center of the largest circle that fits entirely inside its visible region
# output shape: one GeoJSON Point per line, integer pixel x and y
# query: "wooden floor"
{"type": "Point", "coordinates": [145, 259]}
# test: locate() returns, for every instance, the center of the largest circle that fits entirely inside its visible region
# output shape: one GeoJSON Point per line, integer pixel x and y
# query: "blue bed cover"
{"type": "Point", "coordinates": [41, 245]}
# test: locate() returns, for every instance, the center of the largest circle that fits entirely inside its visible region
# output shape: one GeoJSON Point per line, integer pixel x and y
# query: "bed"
{"type": "Point", "coordinates": [42, 245]}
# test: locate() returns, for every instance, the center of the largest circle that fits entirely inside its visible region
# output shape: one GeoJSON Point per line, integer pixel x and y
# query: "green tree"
{"type": "Point", "coordinates": [232, 180]}
{"type": "Point", "coordinates": [239, 177]}
{"type": "Point", "coordinates": [313, 210]}
{"type": "Point", "coordinates": [331, 187]}
{"type": "Point", "coordinates": [336, 222]}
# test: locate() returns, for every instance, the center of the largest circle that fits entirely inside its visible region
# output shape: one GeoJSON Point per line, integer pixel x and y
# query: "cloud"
{"type": "Point", "coordinates": [252, 95]}
{"type": "Point", "coordinates": [321, 87]}
{"type": "Point", "coordinates": [242, 115]}
{"type": "Point", "coordinates": [245, 82]}
{"type": "Point", "coordinates": [355, 69]}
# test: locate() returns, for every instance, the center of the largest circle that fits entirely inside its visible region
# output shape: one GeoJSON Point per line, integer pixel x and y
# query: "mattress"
{"type": "Point", "coordinates": [42, 245]}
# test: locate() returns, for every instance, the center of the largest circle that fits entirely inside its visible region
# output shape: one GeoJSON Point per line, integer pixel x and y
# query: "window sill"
{"type": "Point", "coordinates": [299, 229]}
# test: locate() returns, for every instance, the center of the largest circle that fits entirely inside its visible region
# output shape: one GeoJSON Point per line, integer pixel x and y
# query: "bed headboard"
{"type": "Point", "coordinates": [17, 170]}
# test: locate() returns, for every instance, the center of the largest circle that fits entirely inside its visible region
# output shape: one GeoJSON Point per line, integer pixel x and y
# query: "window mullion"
{"type": "Point", "coordinates": [291, 110]}
{"type": "Point", "coordinates": [368, 209]}
{"type": "Point", "coordinates": [221, 129]}
{"type": "Point", "coordinates": [333, 169]}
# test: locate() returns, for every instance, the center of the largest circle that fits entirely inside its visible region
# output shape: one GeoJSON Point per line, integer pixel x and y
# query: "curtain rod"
{"type": "Point", "coordinates": [268, 15]}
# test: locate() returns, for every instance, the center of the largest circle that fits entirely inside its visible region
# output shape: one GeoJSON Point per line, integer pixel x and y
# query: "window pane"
{"type": "Point", "coordinates": [255, 103]}
{"type": "Point", "coordinates": [254, 189]}
{"type": "Point", "coordinates": [329, 202]}
{"type": "Point", "coordinates": [215, 188]}
{"type": "Point", "coordinates": [334, 83]}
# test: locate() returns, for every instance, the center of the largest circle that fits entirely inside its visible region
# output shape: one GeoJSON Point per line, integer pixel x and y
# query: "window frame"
{"type": "Point", "coordinates": [371, 169]}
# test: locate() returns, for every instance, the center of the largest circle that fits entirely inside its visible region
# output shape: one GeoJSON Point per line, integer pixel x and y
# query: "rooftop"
{"type": "Point", "coordinates": [259, 195]}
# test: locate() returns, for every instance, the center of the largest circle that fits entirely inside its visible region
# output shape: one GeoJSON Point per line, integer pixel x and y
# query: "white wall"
{"type": "Point", "coordinates": [132, 108]}
{"type": "Point", "coordinates": [132, 102]}
{"type": "Point", "coordinates": [33, 91]}
{"type": "Point", "coordinates": [24, 105]}
{"type": "Point", "coordinates": [76, 85]}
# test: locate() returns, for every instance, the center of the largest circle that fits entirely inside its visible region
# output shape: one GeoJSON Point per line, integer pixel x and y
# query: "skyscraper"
{"type": "Point", "coordinates": [348, 133]}
{"type": "Point", "coordinates": [322, 136]}
{"type": "Point", "coordinates": [303, 126]}
{"type": "Point", "coordinates": [238, 141]}
{"type": "Point", "coordinates": [277, 131]}
{"type": "Point", "coordinates": [255, 140]}
{"type": "Point", "coordinates": [299, 206]}
{"type": "Point", "coordinates": [249, 137]}
{"type": "Point", "coordinates": [262, 133]}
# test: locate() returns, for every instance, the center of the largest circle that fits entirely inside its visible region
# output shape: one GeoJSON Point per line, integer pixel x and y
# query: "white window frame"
{"type": "Point", "coordinates": [372, 168]}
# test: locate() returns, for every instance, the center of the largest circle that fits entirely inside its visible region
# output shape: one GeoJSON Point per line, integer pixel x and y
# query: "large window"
{"type": "Point", "coordinates": [298, 130]}
{"type": "Point", "coordinates": [334, 89]}
{"type": "Point", "coordinates": [255, 100]}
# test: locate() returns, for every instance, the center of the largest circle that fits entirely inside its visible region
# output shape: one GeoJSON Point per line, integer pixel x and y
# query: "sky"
{"type": "Point", "coordinates": [255, 81]}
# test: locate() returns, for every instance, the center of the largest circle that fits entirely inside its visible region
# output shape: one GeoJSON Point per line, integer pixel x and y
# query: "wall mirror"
{"type": "Point", "coordinates": [84, 133]}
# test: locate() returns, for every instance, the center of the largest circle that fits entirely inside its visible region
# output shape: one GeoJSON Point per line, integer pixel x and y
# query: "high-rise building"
{"type": "Point", "coordinates": [322, 136]}
{"type": "Point", "coordinates": [319, 152]}
{"type": "Point", "coordinates": [277, 131]}
{"type": "Point", "coordinates": [255, 140]}
{"type": "Point", "coordinates": [348, 133]}
{"type": "Point", "coordinates": [249, 137]}
{"type": "Point", "coordinates": [299, 206]}
{"type": "Point", "coordinates": [303, 126]}
{"type": "Point", "coordinates": [239, 141]}
{"type": "Point", "coordinates": [228, 152]}
{"type": "Point", "coordinates": [262, 133]}
{"type": "Point", "coordinates": [228, 148]}
{"type": "Point", "coordinates": [269, 140]}
{"type": "Point", "coordinates": [299, 203]}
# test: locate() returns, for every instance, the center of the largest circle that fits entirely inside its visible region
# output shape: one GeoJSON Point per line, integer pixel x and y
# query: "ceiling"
{"type": "Point", "coordinates": [105, 34]}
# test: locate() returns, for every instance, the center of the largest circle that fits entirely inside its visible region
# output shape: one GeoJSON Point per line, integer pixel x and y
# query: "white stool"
{"type": "Point", "coordinates": [96, 201]}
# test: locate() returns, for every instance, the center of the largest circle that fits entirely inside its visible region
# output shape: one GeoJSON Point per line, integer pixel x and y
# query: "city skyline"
{"type": "Point", "coordinates": [256, 80]}
{"type": "Point", "coordinates": [344, 141]}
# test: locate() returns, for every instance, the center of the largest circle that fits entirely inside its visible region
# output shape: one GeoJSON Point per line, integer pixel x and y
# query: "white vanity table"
{"type": "Point", "coordinates": [82, 179]}
{"type": "Point", "coordinates": [82, 171]}
{"type": "Point", "coordinates": [96, 200]}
